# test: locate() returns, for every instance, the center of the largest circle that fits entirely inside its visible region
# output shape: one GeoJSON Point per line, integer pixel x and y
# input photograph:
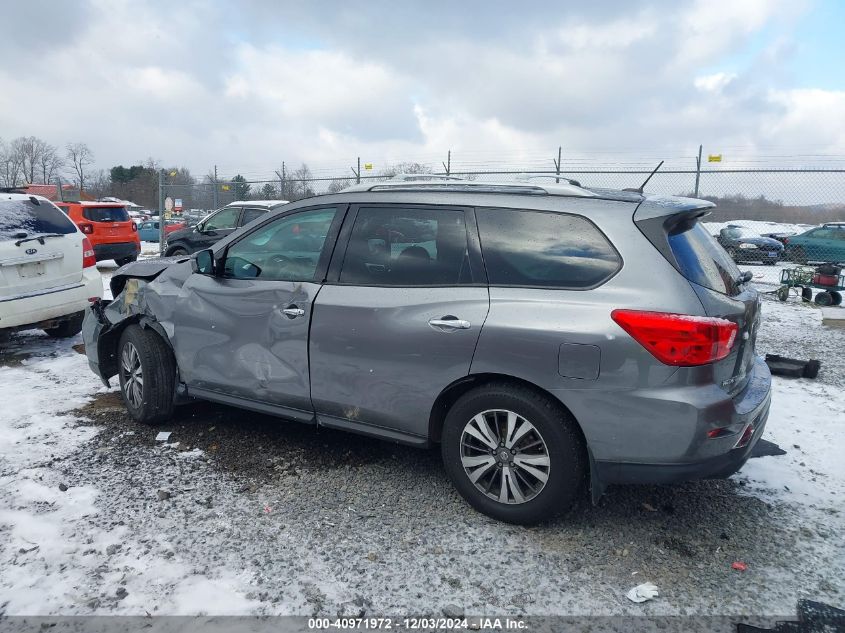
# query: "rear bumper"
{"type": "Point", "coordinates": [704, 458]}
{"type": "Point", "coordinates": [51, 304]}
{"type": "Point", "coordinates": [117, 250]}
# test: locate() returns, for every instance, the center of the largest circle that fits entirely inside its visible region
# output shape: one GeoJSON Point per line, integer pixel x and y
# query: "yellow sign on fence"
{"type": "Point", "coordinates": [368, 165]}
{"type": "Point", "coordinates": [714, 158]}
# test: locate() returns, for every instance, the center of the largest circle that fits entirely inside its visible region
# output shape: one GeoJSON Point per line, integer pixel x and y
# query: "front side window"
{"type": "Point", "coordinates": [287, 249]}
{"type": "Point", "coordinates": [393, 246]}
{"type": "Point", "coordinates": [225, 219]}
{"type": "Point", "coordinates": [539, 249]}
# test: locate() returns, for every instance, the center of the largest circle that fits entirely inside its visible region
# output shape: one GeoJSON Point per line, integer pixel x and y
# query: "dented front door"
{"type": "Point", "coordinates": [246, 338]}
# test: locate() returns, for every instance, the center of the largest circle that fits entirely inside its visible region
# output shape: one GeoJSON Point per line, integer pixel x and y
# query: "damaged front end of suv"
{"type": "Point", "coordinates": [144, 293]}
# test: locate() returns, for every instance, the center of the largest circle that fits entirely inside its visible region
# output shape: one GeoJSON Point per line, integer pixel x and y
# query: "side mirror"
{"type": "Point", "coordinates": [202, 262]}
{"type": "Point", "coordinates": [746, 277]}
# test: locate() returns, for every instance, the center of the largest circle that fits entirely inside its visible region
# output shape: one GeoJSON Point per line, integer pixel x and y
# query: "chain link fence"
{"type": "Point", "coordinates": [768, 220]}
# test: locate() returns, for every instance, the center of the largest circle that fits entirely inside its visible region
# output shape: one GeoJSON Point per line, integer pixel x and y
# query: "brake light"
{"type": "Point", "coordinates": [86, 228]}
{"type": "Point", "coordinates": [679, 339]}
{"type": "Point", "coordinates": [134, 226]}
{"type": "Point", "coordinates": [88, 257]}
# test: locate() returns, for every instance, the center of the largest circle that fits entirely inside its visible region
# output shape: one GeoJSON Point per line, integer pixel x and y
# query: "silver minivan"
{"type": "Point", "coordinates": [552, 339]}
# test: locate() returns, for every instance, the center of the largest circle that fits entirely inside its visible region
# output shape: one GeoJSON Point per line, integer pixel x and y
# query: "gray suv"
{"type": "Point", "coordinates": [551, 339]}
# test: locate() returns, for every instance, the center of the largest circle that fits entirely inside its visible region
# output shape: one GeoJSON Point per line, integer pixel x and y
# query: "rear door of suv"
{"type": "Point", "coordinates": [398, 319]}
{"type": "Point", "coordinates": [40, 248]}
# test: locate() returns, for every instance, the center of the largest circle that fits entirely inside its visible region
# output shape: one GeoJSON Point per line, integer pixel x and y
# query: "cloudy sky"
{"type": "Point", "coordinates": [245, 85]}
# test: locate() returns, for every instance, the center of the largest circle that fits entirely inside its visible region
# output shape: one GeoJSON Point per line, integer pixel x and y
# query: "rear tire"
{"type": "Point", "coordinates": [783, 293]}
{"type": "Point", "coordinates": [547, 462]}
{"type": "Point", "coordinates": [70, 327]}
{"type": "Point", "coordinates": [807, 294]}
{"type": "Point", "coordinates": [176, 251]}
{"type": "Point", "coordinates": [837, 297]}
{"type": "Point", "coordinates": [147, 374]}
{"type": "Point", "coordinates": [126, 260]}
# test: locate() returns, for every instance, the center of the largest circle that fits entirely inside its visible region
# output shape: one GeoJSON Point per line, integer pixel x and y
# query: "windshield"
{"type": "Point", "coordinates": [105, 214]}
{"type": "Point", "coordinates": [736, 232]}
{"type": "Point", "coordinates": [19, 217]}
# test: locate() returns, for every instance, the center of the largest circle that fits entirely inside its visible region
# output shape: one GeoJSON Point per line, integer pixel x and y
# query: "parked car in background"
{"type": "Point", "coordinates": [549, 338]}
{"type": "Point", "coordinates": [825, 243]}
{"type": "Point", "coordinates": [216, 226]}
{"type": "Point", "coordinates": [745, 245]}
{"type": "Point", "coordinates": [780, 236]}
{"type": "Point", "coordinates": [48, 272]}
{"type": "Point", "coordinates": [148, 231]}
{"type": "Point", "coordinates": [108, 225]}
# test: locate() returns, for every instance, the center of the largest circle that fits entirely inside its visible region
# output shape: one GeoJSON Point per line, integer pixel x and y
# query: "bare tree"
{"type": "Point", "coordinates": [50, 163]}
{"type": "Point", "coordinates": [9, 166]}
{"type": "Point", "coordinates": [338, 185]}
{"type": "Point", "coordinates": [28, 152]}
{"type": "Point", "coordinates": [80, 156]}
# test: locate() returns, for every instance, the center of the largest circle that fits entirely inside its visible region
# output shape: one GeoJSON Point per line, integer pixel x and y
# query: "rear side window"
{"type": "Point", "coordinates": [549, 250]}
{"type": "Point", "coordinates": [105, 214]}
{"type": "Point", "coordinates": [702, 260]}
{"type": "Point", "coordinates": [394, 246]}
{"type": "Point", "coordinates": [250, 215]}
{"type": "Point", "coordinates": [23, 216]}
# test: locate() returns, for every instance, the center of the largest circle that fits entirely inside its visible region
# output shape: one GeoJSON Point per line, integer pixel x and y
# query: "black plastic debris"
{"type": "Point", "coordinates": [765, 448]}
{"type": "Point", "coordinates": [792, 367]}
{"type": "Point", "coordinates": [813, 617]}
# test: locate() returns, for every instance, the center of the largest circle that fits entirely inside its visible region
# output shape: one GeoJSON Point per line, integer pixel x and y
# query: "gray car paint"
{"type": "Point", "coordinates": [376, 366]}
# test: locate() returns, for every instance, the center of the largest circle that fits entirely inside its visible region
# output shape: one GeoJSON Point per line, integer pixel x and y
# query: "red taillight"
{"type": "Point", "coordinates": [88, 257]}
{"type": "Point", "coordinates": [134, 226]}
{"type": "Point", "coordinates": [86, 228]}
{"type": "Point", "coordinates": [679, 339]}
{"type": "Point", "coordinates": [746, 436]}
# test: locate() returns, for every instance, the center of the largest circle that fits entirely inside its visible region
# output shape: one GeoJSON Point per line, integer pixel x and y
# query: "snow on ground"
{"type": "Point", "coordinates": [265, 518]}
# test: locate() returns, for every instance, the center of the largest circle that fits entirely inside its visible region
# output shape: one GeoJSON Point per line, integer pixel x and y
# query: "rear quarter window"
{"type": "Point", "coordinates": [544, 249]}
{"type": "Point", "coordinates": [702, 260]}
{"type": "Point", "coordinates": [23, 216]}
{"type": "Point", "coordinates": [105, 214]}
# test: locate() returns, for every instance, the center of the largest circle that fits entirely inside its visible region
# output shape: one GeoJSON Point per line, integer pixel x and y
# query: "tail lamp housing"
{"type": "Point", "coordinates": [88, 257]}
{"type": "Point", "coordinates": [681, 340]}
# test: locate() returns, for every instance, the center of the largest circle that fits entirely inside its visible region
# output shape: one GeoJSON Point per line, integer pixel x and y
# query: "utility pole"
{"type": "Point", "coordinates": [214, 195]}
{"type": "Point", "coordinates": [447, 166]}
{"type": "Point", "coordinates": [281, 175]}
{"type": "Point", "coordinates": [697, 170]}
{"type": "Point", "coordinates": [357, 173]}
{"type": "Point", "coordinates": [557, 164]}
{"type": "Point", "coordinates": [161, 212]}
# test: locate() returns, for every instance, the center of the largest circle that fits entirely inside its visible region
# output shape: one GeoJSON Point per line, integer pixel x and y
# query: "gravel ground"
{"type": "Point", "coordinates": [274, 517]}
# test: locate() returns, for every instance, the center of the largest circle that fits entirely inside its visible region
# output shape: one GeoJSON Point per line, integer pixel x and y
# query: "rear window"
{"type": "Point", "coordinates": [538, 249]}
{"type": "Point", "coordinates": [703, 261]}
{"type": "Point", "coordinates": [105, 214]}
{"type": "Point", "coordinates": [18, 217]}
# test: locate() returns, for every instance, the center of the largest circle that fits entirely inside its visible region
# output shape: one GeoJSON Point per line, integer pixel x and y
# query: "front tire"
{"type": "Point", "coordinates": [147, 374]}
{"type": "Point", "coordinates": [513, 453]}
{"type": "Point", "coordinates": [70, 327]}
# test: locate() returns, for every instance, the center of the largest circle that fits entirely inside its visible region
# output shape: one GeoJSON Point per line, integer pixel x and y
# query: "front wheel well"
{"type": "Point", "coordinates": [108, 342]}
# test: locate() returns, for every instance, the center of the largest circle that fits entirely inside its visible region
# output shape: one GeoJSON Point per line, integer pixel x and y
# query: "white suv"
{"type": "Point", "coordinates": [48, 272]}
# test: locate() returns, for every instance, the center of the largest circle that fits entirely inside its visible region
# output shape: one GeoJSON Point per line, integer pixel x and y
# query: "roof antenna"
{"type": "Point", "coordinates": [645, 182]}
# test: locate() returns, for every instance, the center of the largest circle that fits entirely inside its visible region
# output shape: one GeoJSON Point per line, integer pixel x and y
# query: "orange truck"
{"type": "Point", "coordinates": [112, 233]}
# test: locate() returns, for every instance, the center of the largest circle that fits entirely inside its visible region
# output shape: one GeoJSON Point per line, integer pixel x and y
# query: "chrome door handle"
{"type": "Point", "coordinates": [293, 312]}
{"type": "Point", "coordinates": [453, 324]}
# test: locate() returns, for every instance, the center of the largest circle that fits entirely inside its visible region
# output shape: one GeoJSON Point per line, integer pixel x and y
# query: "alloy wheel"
{"type": "Point", "coordinates": [132, 375]}
{"type": "Point", "coordinates": [505, 456]}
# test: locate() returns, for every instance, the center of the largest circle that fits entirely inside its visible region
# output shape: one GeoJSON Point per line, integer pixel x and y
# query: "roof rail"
{"type": "Point", "coordinates": [426, 177]}
{"type": "Point", "coordinates": [469, 186]}
{"type": "Point", "coordinates": [12, 189]}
